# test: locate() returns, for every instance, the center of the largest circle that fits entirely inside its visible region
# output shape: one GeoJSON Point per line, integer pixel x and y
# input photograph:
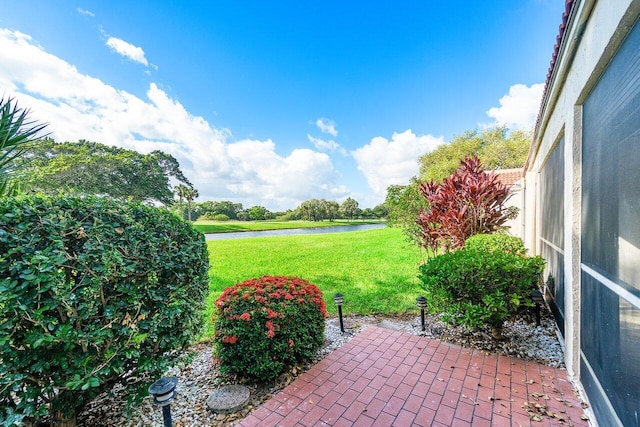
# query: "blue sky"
{"type": "Point", "coordinates": [275, 102]}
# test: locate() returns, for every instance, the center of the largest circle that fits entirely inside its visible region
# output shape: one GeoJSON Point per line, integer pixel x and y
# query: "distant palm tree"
{"type": "Point", "coordinates": [15, 132]}
{"type": "Point", "coordinates": [180, 190]}
{"type": "Point", "coordinates": [190, 194]}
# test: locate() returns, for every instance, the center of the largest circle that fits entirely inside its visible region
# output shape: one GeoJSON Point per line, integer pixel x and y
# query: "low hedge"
{"type": "Point", "coordinates": [477, 288]}
{"type": "Point", "coordinates": [263, 326]}
{"type": "Point", "coordinates": [92, 292]}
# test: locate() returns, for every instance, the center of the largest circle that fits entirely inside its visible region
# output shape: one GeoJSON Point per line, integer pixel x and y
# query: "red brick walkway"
{"type": "Point", "coordinates": [388, 378]}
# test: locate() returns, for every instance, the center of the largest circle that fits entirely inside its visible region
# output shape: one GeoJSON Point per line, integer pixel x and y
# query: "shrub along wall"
{"type": "Point", "coordinates": [496, 242]}
{"type": "Point", "coordinates": [92, 292]}
{"type": "Point", "coordinates": [477, 287]}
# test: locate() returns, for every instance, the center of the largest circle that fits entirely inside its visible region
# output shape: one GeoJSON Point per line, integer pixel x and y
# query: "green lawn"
{"type": "Point", "coordinates": [375, 270]}
{"type": "Point", "coordinates": [231, 226]}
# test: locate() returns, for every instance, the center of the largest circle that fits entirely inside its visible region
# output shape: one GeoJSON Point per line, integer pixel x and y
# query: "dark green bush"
{"type": "Point", "coordinates": [92, 292]}
{"type": "Point", "coordinates": [496, 242]}
{"type": "Point", "coordinates": [213, 217]}
{"type": "Point", "coordinates": [221, 217]}
{"type": "Point", "coordinates": [477, 288]}
{"type": "Point", "coordinates": [263, 326]}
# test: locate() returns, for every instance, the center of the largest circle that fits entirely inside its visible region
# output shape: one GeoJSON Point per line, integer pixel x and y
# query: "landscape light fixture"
{"type": "Point", "coordinates": [422, 304]}
{"type": "Point", "coordinates": [337, 298]}
{"type": "Point", "coordinates": [537, 298]}
{"type": "Point", "coordinates": [163, 392]}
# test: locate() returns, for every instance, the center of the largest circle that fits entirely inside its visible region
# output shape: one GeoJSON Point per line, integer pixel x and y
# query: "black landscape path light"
{"type": "Point", "coordinates": [422, 304]}
{"type": "Point", "coordinates": [536, 296]}
{"type": "Point", "coordinates": [337, 298]}
{"type": "Point", "coordinates": [163, 392]}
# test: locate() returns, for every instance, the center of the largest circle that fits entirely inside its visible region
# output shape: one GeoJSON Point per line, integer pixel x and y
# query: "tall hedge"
{"type": "Point", "coordinates": [92, 291]}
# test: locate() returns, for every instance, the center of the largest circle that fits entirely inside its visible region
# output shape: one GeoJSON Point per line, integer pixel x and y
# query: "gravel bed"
{"type": "Point", "coordinates": [200, 377]}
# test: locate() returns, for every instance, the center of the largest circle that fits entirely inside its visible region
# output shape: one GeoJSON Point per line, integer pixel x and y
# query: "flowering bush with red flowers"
{"type": "Point", "coordinates": [263, 326]}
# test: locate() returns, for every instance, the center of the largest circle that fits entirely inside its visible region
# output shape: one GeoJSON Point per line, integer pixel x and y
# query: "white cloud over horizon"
{"type": "Point", "coordinates": [519, 108]}
{"type": "Point", "coordinates": [127, 50]}
{"type": "Point", "coordinates": [78, 106]}
{"type": "Point", "coordinates": [387, 162]}
{"type": "Point", "coordinates": [327, 126]}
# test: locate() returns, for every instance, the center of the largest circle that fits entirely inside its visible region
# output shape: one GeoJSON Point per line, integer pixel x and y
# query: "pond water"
{"type": "Point", "coordinates": [292, 231]}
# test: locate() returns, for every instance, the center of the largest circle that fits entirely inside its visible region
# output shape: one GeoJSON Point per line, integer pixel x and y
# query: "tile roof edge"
{"type": "Point", "coordinates": [569, 4]}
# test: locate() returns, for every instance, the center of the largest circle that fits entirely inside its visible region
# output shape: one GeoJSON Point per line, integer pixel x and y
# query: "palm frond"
{"type": "Point", "coordinates": [16, 130]}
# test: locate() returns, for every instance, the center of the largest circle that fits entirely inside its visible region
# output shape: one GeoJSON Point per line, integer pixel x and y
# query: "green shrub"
{"type": "Point", "coordinates": [263, 326]}
{"type": "Point", "coordinates": [496, 242]}
{"type": "Point", "coordinates": [477, 288]}
{"type": "Point", "coordinates": [213, 217]}
{"type": "Point", "coordinates": [92, 292]}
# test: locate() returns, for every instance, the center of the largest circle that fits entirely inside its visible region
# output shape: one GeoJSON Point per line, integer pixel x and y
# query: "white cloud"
{"type": "Point", "coordinates": [85, 12]}
{"type": "Point", "coordinates": [386, 163]}
{"type": "Point", "coordinates": [329, 145]}
{"type": "Point", "coordinates": [327, 126]}
{"type": "Point", "coordinates": [301, 175]}
{"type": "Point", "coordinates": [78, 106]}
{"type": "Point", "coordinates": [519, 108]}
{"type": "Point", "coordinates": [127, 50]}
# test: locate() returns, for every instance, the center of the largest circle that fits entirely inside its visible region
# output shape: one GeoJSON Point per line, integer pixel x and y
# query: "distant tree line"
{"type": "Point", "coordinates": [309, 210]}
{"type": "Point", "coordinates": [90, 168]}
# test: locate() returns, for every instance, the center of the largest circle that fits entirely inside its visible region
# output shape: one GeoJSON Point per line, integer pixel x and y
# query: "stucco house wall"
{"type": "Point", "coordinates": [594, 289]}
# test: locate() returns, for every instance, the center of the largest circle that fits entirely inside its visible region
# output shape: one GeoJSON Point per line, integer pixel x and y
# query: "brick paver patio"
{"type": "Point", "coordinates": [389, 378]}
